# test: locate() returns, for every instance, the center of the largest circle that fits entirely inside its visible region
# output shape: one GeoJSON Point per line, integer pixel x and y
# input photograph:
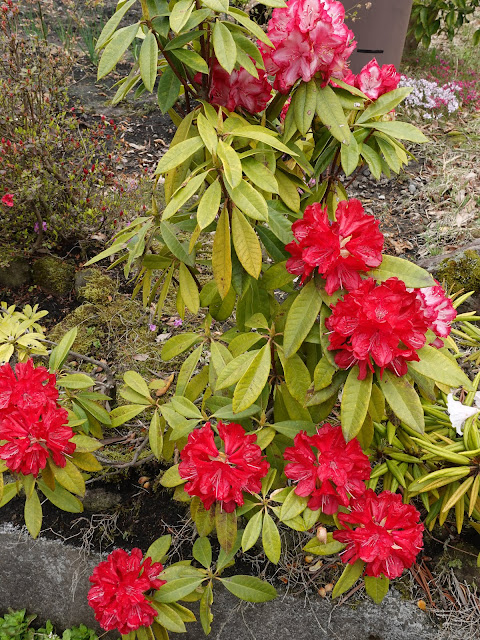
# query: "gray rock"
{"type": "Point", "coordinates": [99, 500]}
{"type": "Point", "coordinates": [16, 275]}
{"type": "Point", "coordinates": [412, 187]}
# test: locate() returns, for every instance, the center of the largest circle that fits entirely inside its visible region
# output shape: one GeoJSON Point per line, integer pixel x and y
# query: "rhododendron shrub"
{"type": "Point", "coordinates": [374, 80]}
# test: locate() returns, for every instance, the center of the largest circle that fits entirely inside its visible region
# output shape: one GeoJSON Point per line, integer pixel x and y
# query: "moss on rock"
{"type": "Point", "coordinates": [54, 275]}
{"type": "Point", "coordinates": [94, 286]}
{"type": "Point", "coordinates": [461, 272]}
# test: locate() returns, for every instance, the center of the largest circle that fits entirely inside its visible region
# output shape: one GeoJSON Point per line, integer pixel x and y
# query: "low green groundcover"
{"type": "Point", "coordinates": [16, 624]}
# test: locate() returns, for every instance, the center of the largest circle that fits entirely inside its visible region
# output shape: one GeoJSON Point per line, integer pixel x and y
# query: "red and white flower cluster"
{"type": "Point", "coordinates": [221, 475]}
{"type": "Point", "coordinates": [309, 37]}
{"type": "Point", "coordinates": [33, 426]}
{"type": "Point", "coordinates": [378, 529]}
{"type": "Point", "coordinates": [376, 323]}
{"type": "Point", "coordinates": [374, 80]}
{"type": "Point", "coordinates": [120, 583]}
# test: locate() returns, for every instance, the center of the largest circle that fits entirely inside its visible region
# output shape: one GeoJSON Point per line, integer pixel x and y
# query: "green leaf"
{"type": "Point", "coordinates": [297, 377]}
{"type": "Point", "coordinates": [271, 542]}
{"type": "Point", "coordinates": [384, 104]}
{"type": "Point", "coordinates": [75, 381]}
{"type": "Point", "coordinates": [252, 531]}
{"type": "Point", "coordinates": [403, 400]}
{"type": "Point", "coordinates": [411, 274]}
{"type": "Point", "coordinates": [175, 590]}
{"type": "Point", "coordinates": [171, 240]}
{"type": "Point", "coordinates": [224, 46]}
{"type": "Point", "coordinates": [330, 548]}
{"type": "Point", "coordinates": [155, 435]}
{"type": "Point", "coordinates": [159, 549]}
{"type": "Point", "coordinates": [251, 384]}
{"type": "Point", "coordinates": [260, 175]}
{"type": "Point", "coordinates": [206, 601]}
{"type": "Point", "coordinates": [235, 369]}
{"type": "Point", "coordinates": [60, 352]}
{"type": "Point", "coordinates": [330, 111]}
{"type": "Point", "coordinates": [226, 528]}
{"type": "Point", "coordinates": [124, 413]}
{"type": "Point", "coordinates": [183, 195]}
{"type": "Point", "coordinates": [232, 166]}
{"type": "Point", "coordinates": [181, 12]}
{"type": "Point", "coordinates": [323, 374]}
{"type": "Point", "coordinates": [398, 130]}
{"type": "Point", "coordinates": [178, 344]}
{"type": "Point", "coordinates": [202, 552]}
{"type": "Point", "coordinates": [187, 370]}
{"type": "Point", "coordinates": [255, 29]}
{"type": "Point", "coordinates": [168, 90]}
{"type": "Point", "coordinates": [137, 383]}
{"type": "Point", "coordinates": [355, 400]}
{"type": "Point", "coordinates": [350, 575]}
{"type": "Point", "coordinates": [179, 153]}
{"type": "Point", "coordinates": [262, 135]}
{"type": "Point", "coordinates": [10, 490]}
{"type": "Point", "coordinates": [288, 191]}
{"type": "Point", "coordinates": [434, 364]}
{"type": "Point", "coordinates": [191, 59]}
{"type": "Point", "coordinates": [249, 201]}
{"type": "Point", "coordinates": [33, 514]}
{"type": "Point", "coordinates": [171, 477]}
{"type": "Point", "coordinates": [98, 412]}
{"type": "Point", "coordinates": [112, 24]}
{"type": "Point", "coordinates": [349, 156]}
{"type": "Point", "coordinates": [85, 444]}
{"type": "Point", "coordinates": [304, 103]}
{"type": "Point", "coordinates": [168, 617]}
{"type": "Point", "coordinates": [277, 277]}
{"type": "Point", "coordinates": [377, 588]}
{"type": "Point", "coordinates": [61, 498]}
{"type": "Point", "coordinates": [249, 588]}
{"type": "Point", "coordinates": [188, 289]}
{"type": "Point", "coordinates": [247, 246]}
{"type": "Point", "coordinates": [372, 159]}
{"type": "Point", "coordinates": [115, 49]}
{"type": "Point", "coordinates": [222, 255]}
{"type": "Point", "coordinates": [70, 478]}
{"type": "Point", "coordinates": [301, 317]}
{"type": "Point", "coordinates": [293, 506]}
{"type": "Point", "coordinates": [148, 61]}
{"type": "Point", "coordinates": [209, 204]}
{"type": "Point", "coordinates": [207, 133]}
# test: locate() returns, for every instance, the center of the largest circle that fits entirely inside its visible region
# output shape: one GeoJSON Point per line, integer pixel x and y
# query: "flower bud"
{"type": "Point", "coordinates": [322, 535]}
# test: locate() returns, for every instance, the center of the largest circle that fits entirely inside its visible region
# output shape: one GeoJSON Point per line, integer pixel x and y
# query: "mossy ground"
{"type": "Point", "coordinates": [462, 272]}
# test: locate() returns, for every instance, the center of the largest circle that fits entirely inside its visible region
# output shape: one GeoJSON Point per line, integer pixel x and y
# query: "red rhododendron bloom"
{"type": "Point", "coordinates": [29, 388]}
{"type": "Point", "coordinates": [378, 324]}
{"type": "Point", "coordinates": [438, 311]}
{"type": "Point", "coordinates": [340, 250]}
{"type": "Point", "coordinates": [7, 200]}
{"type": "Point", "coordinates": [118, 593]}
{"type": "Point", "coordinates": [31, 437]}
{"type": "Point", "coordinates": [381, 531]}
{"type": "Point", "coordinates": [326, 468]}
{"type": "Point", "coordinates": [309, 37]}
{"type": "Point", "coordinates": [239, 89]}
{"type": "Point", "coordinates": [374, 80]}
{"type": "Point", "coordinates": [222, 476]}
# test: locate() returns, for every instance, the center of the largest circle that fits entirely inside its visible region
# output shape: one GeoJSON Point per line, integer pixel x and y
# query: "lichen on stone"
{"type": "Point", "coordinates": [461, 272]}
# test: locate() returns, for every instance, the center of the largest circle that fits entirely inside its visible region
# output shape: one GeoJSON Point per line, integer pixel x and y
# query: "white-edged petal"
{"type": "Point", "coordinates": [458, 412]}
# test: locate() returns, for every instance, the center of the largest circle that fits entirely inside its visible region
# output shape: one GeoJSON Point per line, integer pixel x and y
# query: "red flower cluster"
{"type": "Point", "coordinates": [438, 311]}
{"type": "Point", "coordinates": [332, 473]}
{"type": "Point", "coordinates": [222, 476]}
{"type": "Point", "coordinates": [239, 89]}
{"type": "Point", "coordinates": [340, 250]}
{"type": "Point", "coordinates": [33, 427]}
{"type": "Point", "coordinates": [118, 593]}
{"type": "Point", "coordinates": [310, 37]}
{"type": "Point", "coordinates": [374, 80]}
{"type": "Point", "coordinates": [381, 531]}
{"type": "Point", "coordinates": [7, 200]}
{"type": "Point", "coordinates": [380, 322]}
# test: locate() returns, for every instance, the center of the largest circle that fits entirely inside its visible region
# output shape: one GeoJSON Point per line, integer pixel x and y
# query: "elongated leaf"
{"type": "Point", "coordinates": [235, 370]}
{"type": "Point", "coordinates": [384, 104]}
{"type": "Point", "coordinates": [437, 366]}
{"type": "Point", "coordinates": [192, 59]}
{"type": "Point", "coordinates": [148, 61]}
{"type": "Point", "coordinates": [222, 255]}
{"type": "Point", "coordinates": [304, 103]}
{"type": "Point", "coordinates": [124, 413]}
{"type": "Point", "coordinates": [207, 133]}
{"type": "Point", "coordinates": [226, 528]}
{"type": "Point", "coordinates": [377, 588]}
{"type": "Point", "coordinates": [202, 552]}
{"type": "Point", "coordinates": [33, 514]}
{"type": "Point", "coordinates": [112, 24]}
{"type": "Point", "coordinates": [252, 531]}
{"type": "Point", "coordinates": [293, 506]}
{"type": "Point", "coordinates": [179, 251]}
{"type": "Point", "coordinates": [183, 195]}
{"type": "Point", "coordinates": [187, 370]}
{"type": "Point", "coordinates": [70, 478]}
{"type": "Point", "coordinates": [350, 575]}
{"type": "Point", "coordinates": [158, 549]}
{"type": "Point", "coordinates": [178, 154]}
{"type": "Point", "coordinates": [60, 352]}
{"type": "Point", "coordinates": [188, 289]}
{"type": "Point", "coordinates": [168, 617]}
{"type": "Point", "coordinates": [251, 384]}
{"type": "Point", "coordinates": [297, 377]}
{"type": "Point", "coordinates": [349, 156]}
{"type": "Point", "coordinates": [301, 317]}
{"type": "Point", "coordinates": [155, 435]}
{"type": "Point", "coordinates": [411, 274]}
{"type": "Point", "coordinates": [178, 588]}
{"type": "Point", "coordinates": [330, 111]}
{"type": "Point", "coordinates": [399, 130]}
{"type": "Point", "coordinates": [115, 49]}
{"type": "Point", "coordinates": [271, 542]}
{"type": "Point", "coordinates": [232, 166]}
{"type": "Point", "coordinates": [253, 27]}
{"type": "Point", "coordinates": [249, 200]}
{"type": "Point", "coordinates": [372, 159]}
{"type": "Point", "coordinates": [209, 204]}
{"type": "Point", "coordinates": [249, 588]}
{"type": "Point", "coordinates": [178, 344]}
{"type": "Point", "coordinates": [288, 191]}
{"type": "Point", "coordinates": [61, 498]}
{"type": "Point", "coordinates": [181, 12]}
{"type": "Point", "coordinates": [247, 246]}
{"type": "Point", "coordinates": [260, 175]}
{"type": "Point", "coordinates": [137, 383]}
{"type": "Point", "coordinates": [75, 381]}
{"type": "Point", "coordinates": [224, 46]}
{"type": "Point", "coordinates": [168, 89]}
{"type": "Point", "coordinates": [171, 477]}
{"type": "Point", "coordinates": [403, 400]}
{"type": "Point", "coordinates": [262, 135]}
{"type": "Point", "coordinates": [330, 548]}
{"type": "Point", "coordinates": [355, 400]}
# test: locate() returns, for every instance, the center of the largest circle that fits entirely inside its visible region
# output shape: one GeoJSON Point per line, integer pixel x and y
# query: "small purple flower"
{"type": "Point", "coordinates": [152, 327]}
{"type": "Point", "coordinates": [177, 322]}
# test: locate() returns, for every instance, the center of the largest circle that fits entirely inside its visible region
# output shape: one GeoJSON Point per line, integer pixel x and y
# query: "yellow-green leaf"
{"type": "Point", "coordinates": [148, 61]}
{"type": "Point", "coordinates": [188, 289]}
{"type": "Point", "coordinates": [251, 384]}
{"type": "Point", "coordinates": [232, 166]}
{"type": "Point", "coordinates": [209, 204]}
{"type": "Point", "coordinates": [355, 400]}
{"type": "Point", "coordinates": [247, 246]}
{"type": "Point", "coordinates": [301, 317]}
{"type": "Point", "coordinates": [222, 255]}
{"type": "Point", "coordinates": [33, 514]}
{"type": "Point", "coordinates": [224, 46]}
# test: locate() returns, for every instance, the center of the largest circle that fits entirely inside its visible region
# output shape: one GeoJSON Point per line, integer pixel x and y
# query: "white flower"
{"type": "Point", "coordinates": [458, 412]}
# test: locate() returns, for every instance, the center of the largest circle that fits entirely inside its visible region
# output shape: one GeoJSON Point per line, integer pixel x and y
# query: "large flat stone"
{"type": "Point", "coordinates": [50, 579]}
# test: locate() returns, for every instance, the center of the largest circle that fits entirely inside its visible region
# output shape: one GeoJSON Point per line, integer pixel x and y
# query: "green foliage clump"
{"type": "Point", "coordinates": [54, 275]}
{"type": "Point", "coordinates": [462, 272]}
{"type": "Point", "coordinates": [15, 625]}
{"type": "Point", "coordinates": [431, 17]}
